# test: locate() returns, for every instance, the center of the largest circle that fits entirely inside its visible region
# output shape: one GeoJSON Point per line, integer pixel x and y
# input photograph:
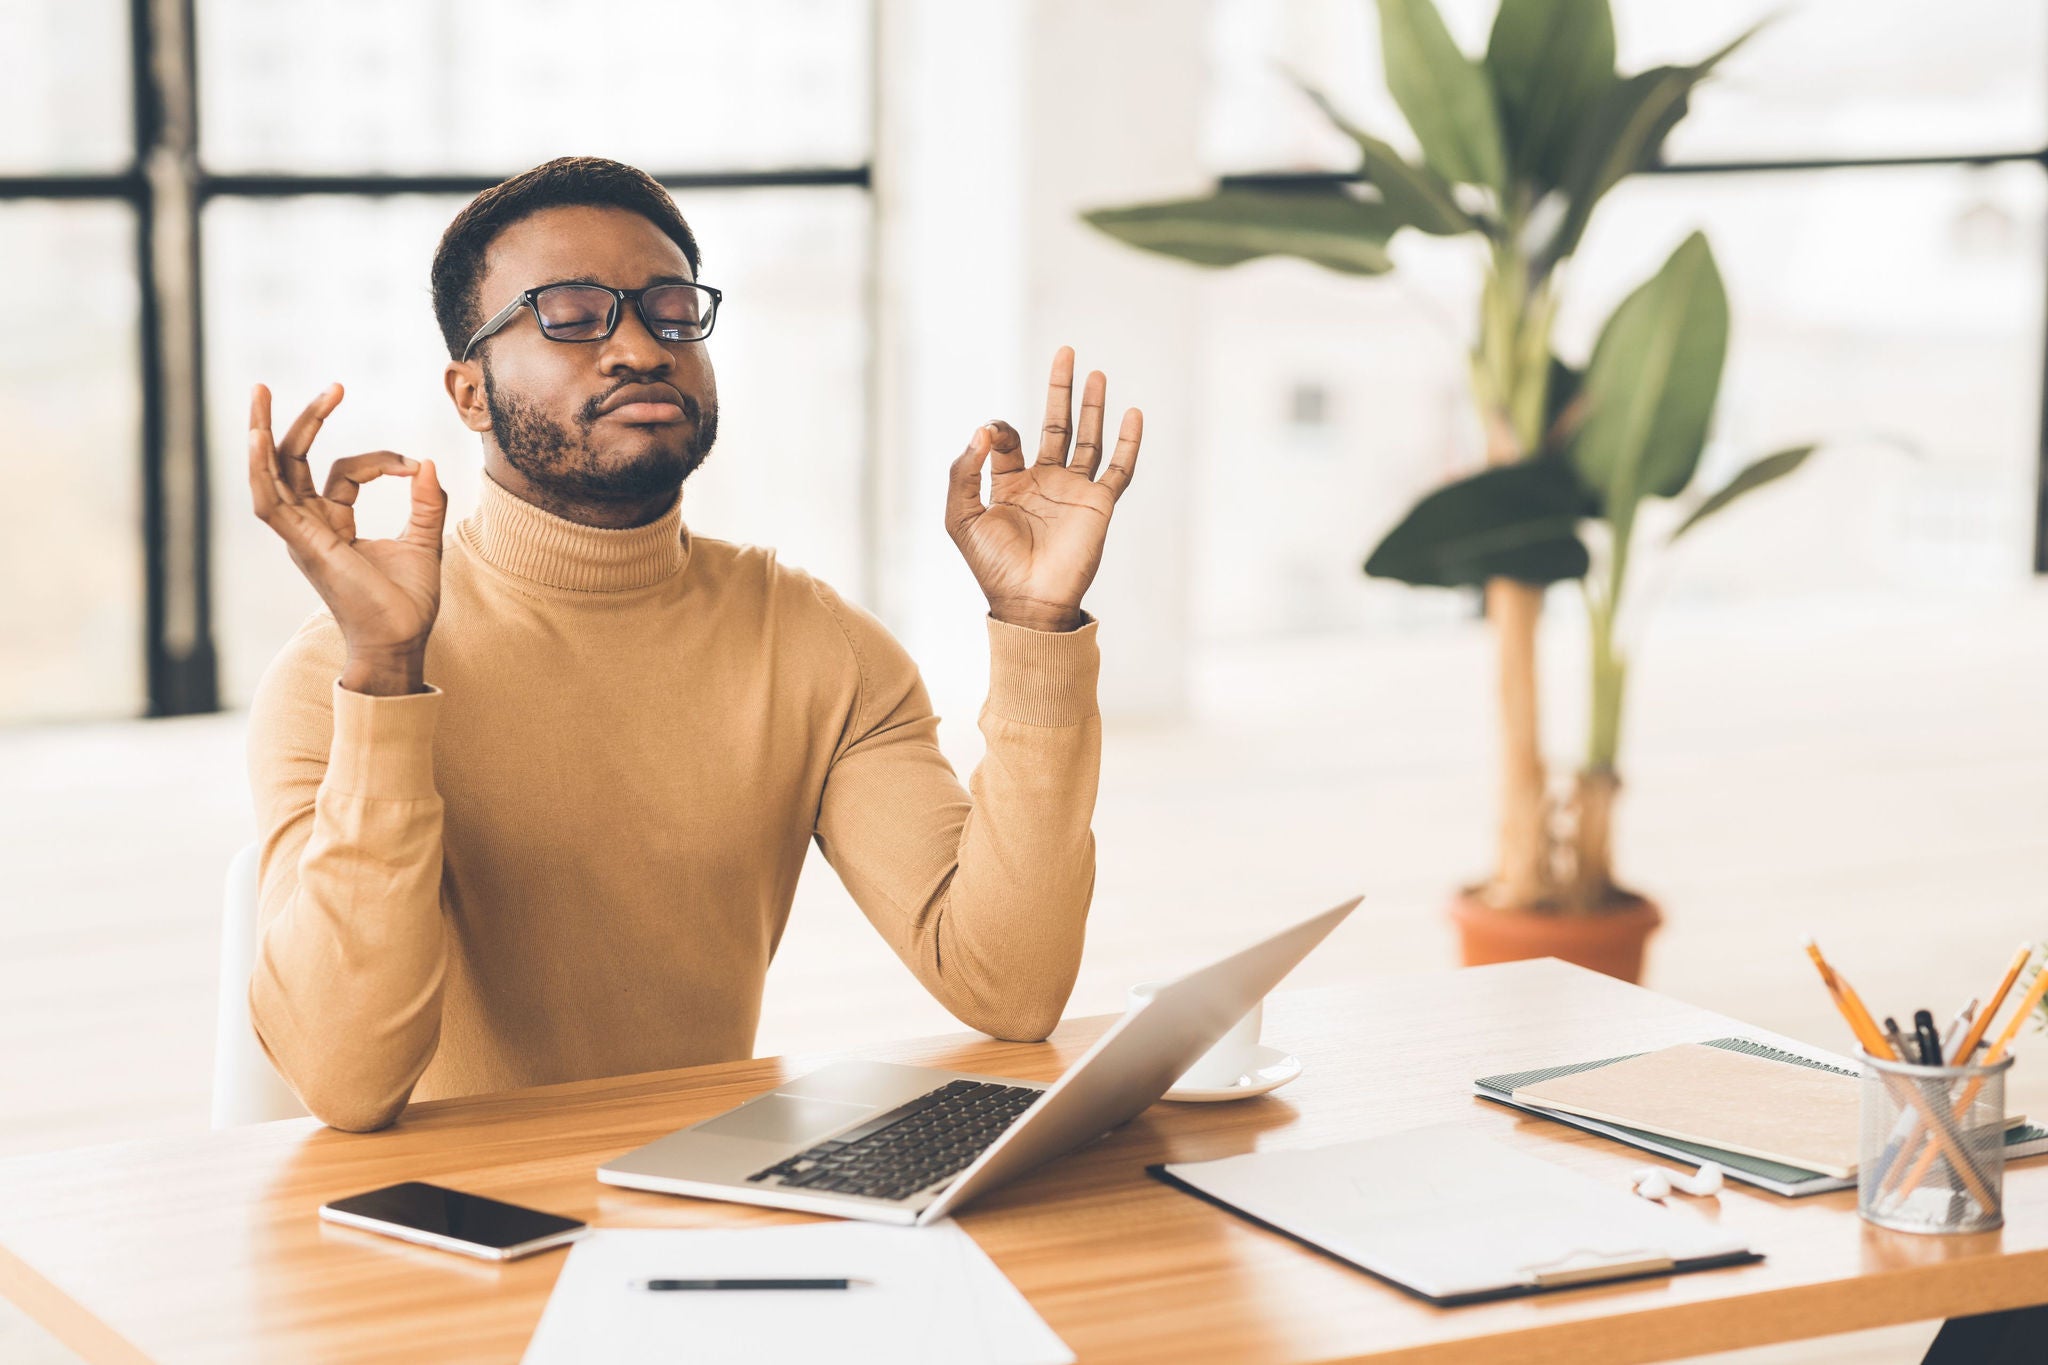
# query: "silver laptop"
{"type": "Point", "coordinates": [910, 1144]}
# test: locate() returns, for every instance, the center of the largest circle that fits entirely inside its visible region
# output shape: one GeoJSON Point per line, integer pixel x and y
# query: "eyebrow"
{"type": "Point", "coordinates": [657, 280]}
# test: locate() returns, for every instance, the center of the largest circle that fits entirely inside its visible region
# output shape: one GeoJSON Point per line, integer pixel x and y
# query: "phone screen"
{"type": "Point", "coordinates": [451, 1213]}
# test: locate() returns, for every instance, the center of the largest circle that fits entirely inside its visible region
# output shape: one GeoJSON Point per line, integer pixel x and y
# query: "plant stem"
{"type": "Point", "coordinates": [1522, 877]}
{"type": "Point", "coordinates": [1609, 682]}
{"type": "Point", "coordinates": [1592, 872]}
{"type": "Point", "coordinates": [1511, 372]}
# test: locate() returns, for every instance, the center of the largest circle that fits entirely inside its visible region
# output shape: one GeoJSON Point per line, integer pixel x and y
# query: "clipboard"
{"type": "Point", "coordinates": [1455, 1218]}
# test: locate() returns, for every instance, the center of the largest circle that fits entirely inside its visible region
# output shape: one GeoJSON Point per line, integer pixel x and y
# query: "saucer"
{"type": "Point", "coordinates": [1271, 1068]}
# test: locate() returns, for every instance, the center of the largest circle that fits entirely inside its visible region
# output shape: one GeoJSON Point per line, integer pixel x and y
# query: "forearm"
{"type": "Point", "coordinates": [1006, 945]}
{"type": "Point", "coordinates": [1006, 941]}
{"type": "Point", "coordinates": [347, 988]}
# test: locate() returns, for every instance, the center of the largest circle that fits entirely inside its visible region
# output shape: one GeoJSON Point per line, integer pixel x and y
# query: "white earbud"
{"type": "Point", "coordinates": [1652, 1182]}
{"type": "Point", "coordinates": [1707, 1180]}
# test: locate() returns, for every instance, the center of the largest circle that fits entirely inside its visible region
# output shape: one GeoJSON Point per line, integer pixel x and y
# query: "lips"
{"type": "Point", "coordinates": [649, 404]}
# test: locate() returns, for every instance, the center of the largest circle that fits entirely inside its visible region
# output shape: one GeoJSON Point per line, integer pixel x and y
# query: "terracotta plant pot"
{"type": "Point", "coordinates": [1611, 941]}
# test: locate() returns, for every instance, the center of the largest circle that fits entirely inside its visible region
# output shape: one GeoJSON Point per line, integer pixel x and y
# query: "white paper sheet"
{"type": "Point", "coordinates": [935, 1296]}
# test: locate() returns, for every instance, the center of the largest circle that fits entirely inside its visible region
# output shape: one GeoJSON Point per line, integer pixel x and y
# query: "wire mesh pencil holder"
{"type": "Point", "coordinates": [1931, 1157]}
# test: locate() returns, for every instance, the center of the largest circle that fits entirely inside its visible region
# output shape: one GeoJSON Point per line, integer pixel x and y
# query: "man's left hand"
{"type": "Point", "coordinates": [1036, 545]}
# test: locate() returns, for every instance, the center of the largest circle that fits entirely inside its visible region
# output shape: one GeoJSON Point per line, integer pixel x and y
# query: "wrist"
{"type": "Point", "coordinates": [385, 675]}
{"type": "Point", "coordinates": [1048, 617]}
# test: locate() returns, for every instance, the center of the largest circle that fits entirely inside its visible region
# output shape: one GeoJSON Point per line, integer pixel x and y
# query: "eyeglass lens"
{"type": "Point", "coordinates": [581, 312]}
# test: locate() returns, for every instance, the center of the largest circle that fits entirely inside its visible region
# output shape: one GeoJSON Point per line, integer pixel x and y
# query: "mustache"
{"type": "Point", "coordinates": [590, 411]}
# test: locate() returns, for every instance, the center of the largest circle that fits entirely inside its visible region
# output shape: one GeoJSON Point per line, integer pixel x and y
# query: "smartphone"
{"type": "Point", "coordinates": [453, 1221]}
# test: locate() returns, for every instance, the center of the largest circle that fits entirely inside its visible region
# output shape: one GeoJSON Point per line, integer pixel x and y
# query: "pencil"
{"type": "Point", "coordinates": [1850, 1005]}
{"type": "Point", "coordinates": [1991, 1058]}
{"type": "Point", "coordinates": [1866, 1031]}
{"type": "Point", "coordinates": [1962, 1052]}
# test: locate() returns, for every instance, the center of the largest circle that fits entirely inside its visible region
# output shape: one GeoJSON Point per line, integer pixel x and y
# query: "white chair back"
{"type": "Point", "coordinates": [246, 1088]}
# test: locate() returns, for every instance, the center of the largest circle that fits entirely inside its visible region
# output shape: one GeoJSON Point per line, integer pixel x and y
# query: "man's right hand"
{"type": "Point", "coordinates": [383, 593]}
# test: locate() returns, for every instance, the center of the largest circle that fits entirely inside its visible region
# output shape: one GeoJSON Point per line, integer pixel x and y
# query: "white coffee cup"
{"type": "Point", "coordinates": [1232, 1057]}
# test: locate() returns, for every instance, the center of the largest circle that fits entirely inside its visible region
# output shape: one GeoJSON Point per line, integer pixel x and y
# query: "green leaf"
{"type": "Point", "coordinates": [1417, 195]}
{"type": "Point", "coordinates": [1651, 384]}
{"type": "Point", "coordinates": [1515, 521]}
{"type": "Point", "coordinates": [1623, 134]}
{"type": "Point", "coordinates": [1445, 97]}
{"type": "Point", "coordinates": [1549, 61]}
{"type": "Point", "coordinates": [1325, 225]}
{"type": "Point", "coordinates": [1758, 473]}
{"type": "Point", "coordinates": [1561, 406]}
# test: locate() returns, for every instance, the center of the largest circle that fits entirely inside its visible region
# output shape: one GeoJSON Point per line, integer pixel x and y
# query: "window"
{"type": "Point", "coordinates": [71, 620]}
{"type": "Point", "coordinates": [1871, 173]}
{"type": "Point", "coordinates": [291, 244]}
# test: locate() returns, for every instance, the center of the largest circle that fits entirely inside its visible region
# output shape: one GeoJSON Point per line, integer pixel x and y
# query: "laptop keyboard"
{"type": "Point", "coordinates": [896, 1154]}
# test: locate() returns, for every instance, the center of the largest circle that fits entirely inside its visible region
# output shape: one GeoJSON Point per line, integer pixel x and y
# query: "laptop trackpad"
{"type": "Point", "coordinates": [785, 1118]}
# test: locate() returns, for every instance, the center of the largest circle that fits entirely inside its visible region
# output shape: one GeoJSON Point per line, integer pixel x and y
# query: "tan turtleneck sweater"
{"type": "Point", "coordinates": [575, 854]}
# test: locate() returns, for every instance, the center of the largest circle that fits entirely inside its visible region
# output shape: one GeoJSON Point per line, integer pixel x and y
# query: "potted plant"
{"type": "Point", "coordinates": [1518, 148]}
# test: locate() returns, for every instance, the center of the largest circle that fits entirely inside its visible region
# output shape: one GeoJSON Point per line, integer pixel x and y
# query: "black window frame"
{"type": "Point", "coordinates": [167, 189]}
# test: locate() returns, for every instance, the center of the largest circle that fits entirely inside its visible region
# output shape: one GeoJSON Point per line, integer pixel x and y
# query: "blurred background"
{"type": "Point", "coordinates": [1836, 725]}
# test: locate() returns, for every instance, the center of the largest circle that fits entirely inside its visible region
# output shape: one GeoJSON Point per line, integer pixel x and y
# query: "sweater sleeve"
{"type": "Point", "coordinates": [982, 893]}
{"type": "Point", "coordinates": [346, 994]}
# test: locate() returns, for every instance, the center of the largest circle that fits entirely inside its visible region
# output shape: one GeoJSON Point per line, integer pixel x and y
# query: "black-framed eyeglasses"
{"type": "Point", "coordinates": [590, 312]}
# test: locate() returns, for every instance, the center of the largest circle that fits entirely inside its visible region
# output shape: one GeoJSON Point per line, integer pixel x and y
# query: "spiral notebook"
{"type": "Point", "coordinates": [1778, 1176]}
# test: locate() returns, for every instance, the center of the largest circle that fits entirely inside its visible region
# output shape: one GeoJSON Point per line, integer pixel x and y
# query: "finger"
{"type": "Point", "coordinates": [265, 494]}
{"type": "Point", "coordinates": [429, 509]}
{"type": "Point", "coordinates": [347, 477]}
{"type": "Point", "coordinates": [1124, 463]}
{"type": "Point", "coordinates": [1059, 409]}
{"type": "Point", "coordinates": [963, 485]}
{"type": "Point", "coordinates": [1006, 450]}
{"type": "Point", "coordinates": [259, 409]}
{"type": "Point", "coordinates": [1088, 436]}
{"type": "Point", "coordinates": [293, 466]}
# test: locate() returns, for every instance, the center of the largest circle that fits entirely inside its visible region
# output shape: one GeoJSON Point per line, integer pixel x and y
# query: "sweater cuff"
{"type": "Point", "coordinates": [383, 746]}
{"type": "Point", "coordinates": [1041, 677]}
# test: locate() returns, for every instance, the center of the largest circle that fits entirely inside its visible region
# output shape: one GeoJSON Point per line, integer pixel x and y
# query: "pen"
{"type": "Point", "coordinates": [1898, 1040]}
{"type": "Point", "coordinates": [1992, 1058]}
{"type": "Point", "coordinates": [746, 1284]}
{"type": "Point", "coordinates": [1975, 1033]}
{"type": "Point", "coordinates": [1875, 1043]}
{"type": "Point", "coordinates": [1955, 1031]}
{"type": "Point", "coordinates": [1930, 1041]}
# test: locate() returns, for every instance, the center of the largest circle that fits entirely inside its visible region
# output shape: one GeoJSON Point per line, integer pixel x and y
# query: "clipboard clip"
{"type": "Point", "coordinates": [1585, 1267]}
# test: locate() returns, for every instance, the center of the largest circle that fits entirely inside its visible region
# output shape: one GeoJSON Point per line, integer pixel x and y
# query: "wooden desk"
{"type": "Point", "coordinates": [207, 1248]}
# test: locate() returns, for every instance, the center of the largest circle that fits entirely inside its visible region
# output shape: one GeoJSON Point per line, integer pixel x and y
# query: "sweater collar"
{"type": "Point", "coordinates": [522, 540]}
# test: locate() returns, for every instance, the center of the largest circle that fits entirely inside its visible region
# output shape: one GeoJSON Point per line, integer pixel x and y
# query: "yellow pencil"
{"type": "Point", "coordinates": [1851, 1007]}
{"type": "Point", "coordinates": [1865, 1028]}
{"type": "Point", "coordinates": [1991, 1058]}
{"type": "Point", "coordinates": [1960, 1056]}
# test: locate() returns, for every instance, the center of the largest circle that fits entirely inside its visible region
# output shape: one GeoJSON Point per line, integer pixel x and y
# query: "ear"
{"type": "Point", "coordinates": [464, 380]}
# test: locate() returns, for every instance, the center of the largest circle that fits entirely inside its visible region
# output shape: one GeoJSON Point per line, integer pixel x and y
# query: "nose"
{"type": "Point", "coordinates": [632, 349]}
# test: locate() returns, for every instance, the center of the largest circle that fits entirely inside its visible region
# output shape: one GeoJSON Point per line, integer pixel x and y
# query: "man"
{"type": "Point", "coordinates": [534, 796]}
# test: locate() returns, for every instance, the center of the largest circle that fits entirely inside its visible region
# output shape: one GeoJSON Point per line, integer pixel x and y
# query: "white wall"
{"type": "Point", "coordinates": [999, 123]}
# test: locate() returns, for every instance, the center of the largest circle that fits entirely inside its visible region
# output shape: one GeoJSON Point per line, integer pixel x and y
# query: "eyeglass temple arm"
{"type": "Point", "coordinates": [505, 315]}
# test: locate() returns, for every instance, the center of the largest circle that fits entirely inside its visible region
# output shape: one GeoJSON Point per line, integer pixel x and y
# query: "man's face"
{"type": "Point", "coordinates": [613, 421]}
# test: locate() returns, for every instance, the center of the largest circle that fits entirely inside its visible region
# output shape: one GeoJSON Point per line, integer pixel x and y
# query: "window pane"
{"type": "Point", "coordinates": [1867, 306]}
{"type": "Point", "coordinates": [1827, 78]}
{"type": "Point", "coordinates": [70, 419]}
{"type": "Point", "coordinates": [498, 85]}
{"type": "Point", "coordinates": [65, 106]}
{"type": "Point", "coordinates": [1873, 309]}
{"type": "Point", "coordinates": [790, 346]}
{"type": "Point", "coordinates": [1837, 78]}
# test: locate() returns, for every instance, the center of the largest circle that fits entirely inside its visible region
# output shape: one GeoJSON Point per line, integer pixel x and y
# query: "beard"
{"type": "Point", "coordinates": [567, 463]}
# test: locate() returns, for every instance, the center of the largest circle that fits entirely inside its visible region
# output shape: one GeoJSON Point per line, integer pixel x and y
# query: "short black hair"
{"type": "Point", "coordinates": [567, 180]}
